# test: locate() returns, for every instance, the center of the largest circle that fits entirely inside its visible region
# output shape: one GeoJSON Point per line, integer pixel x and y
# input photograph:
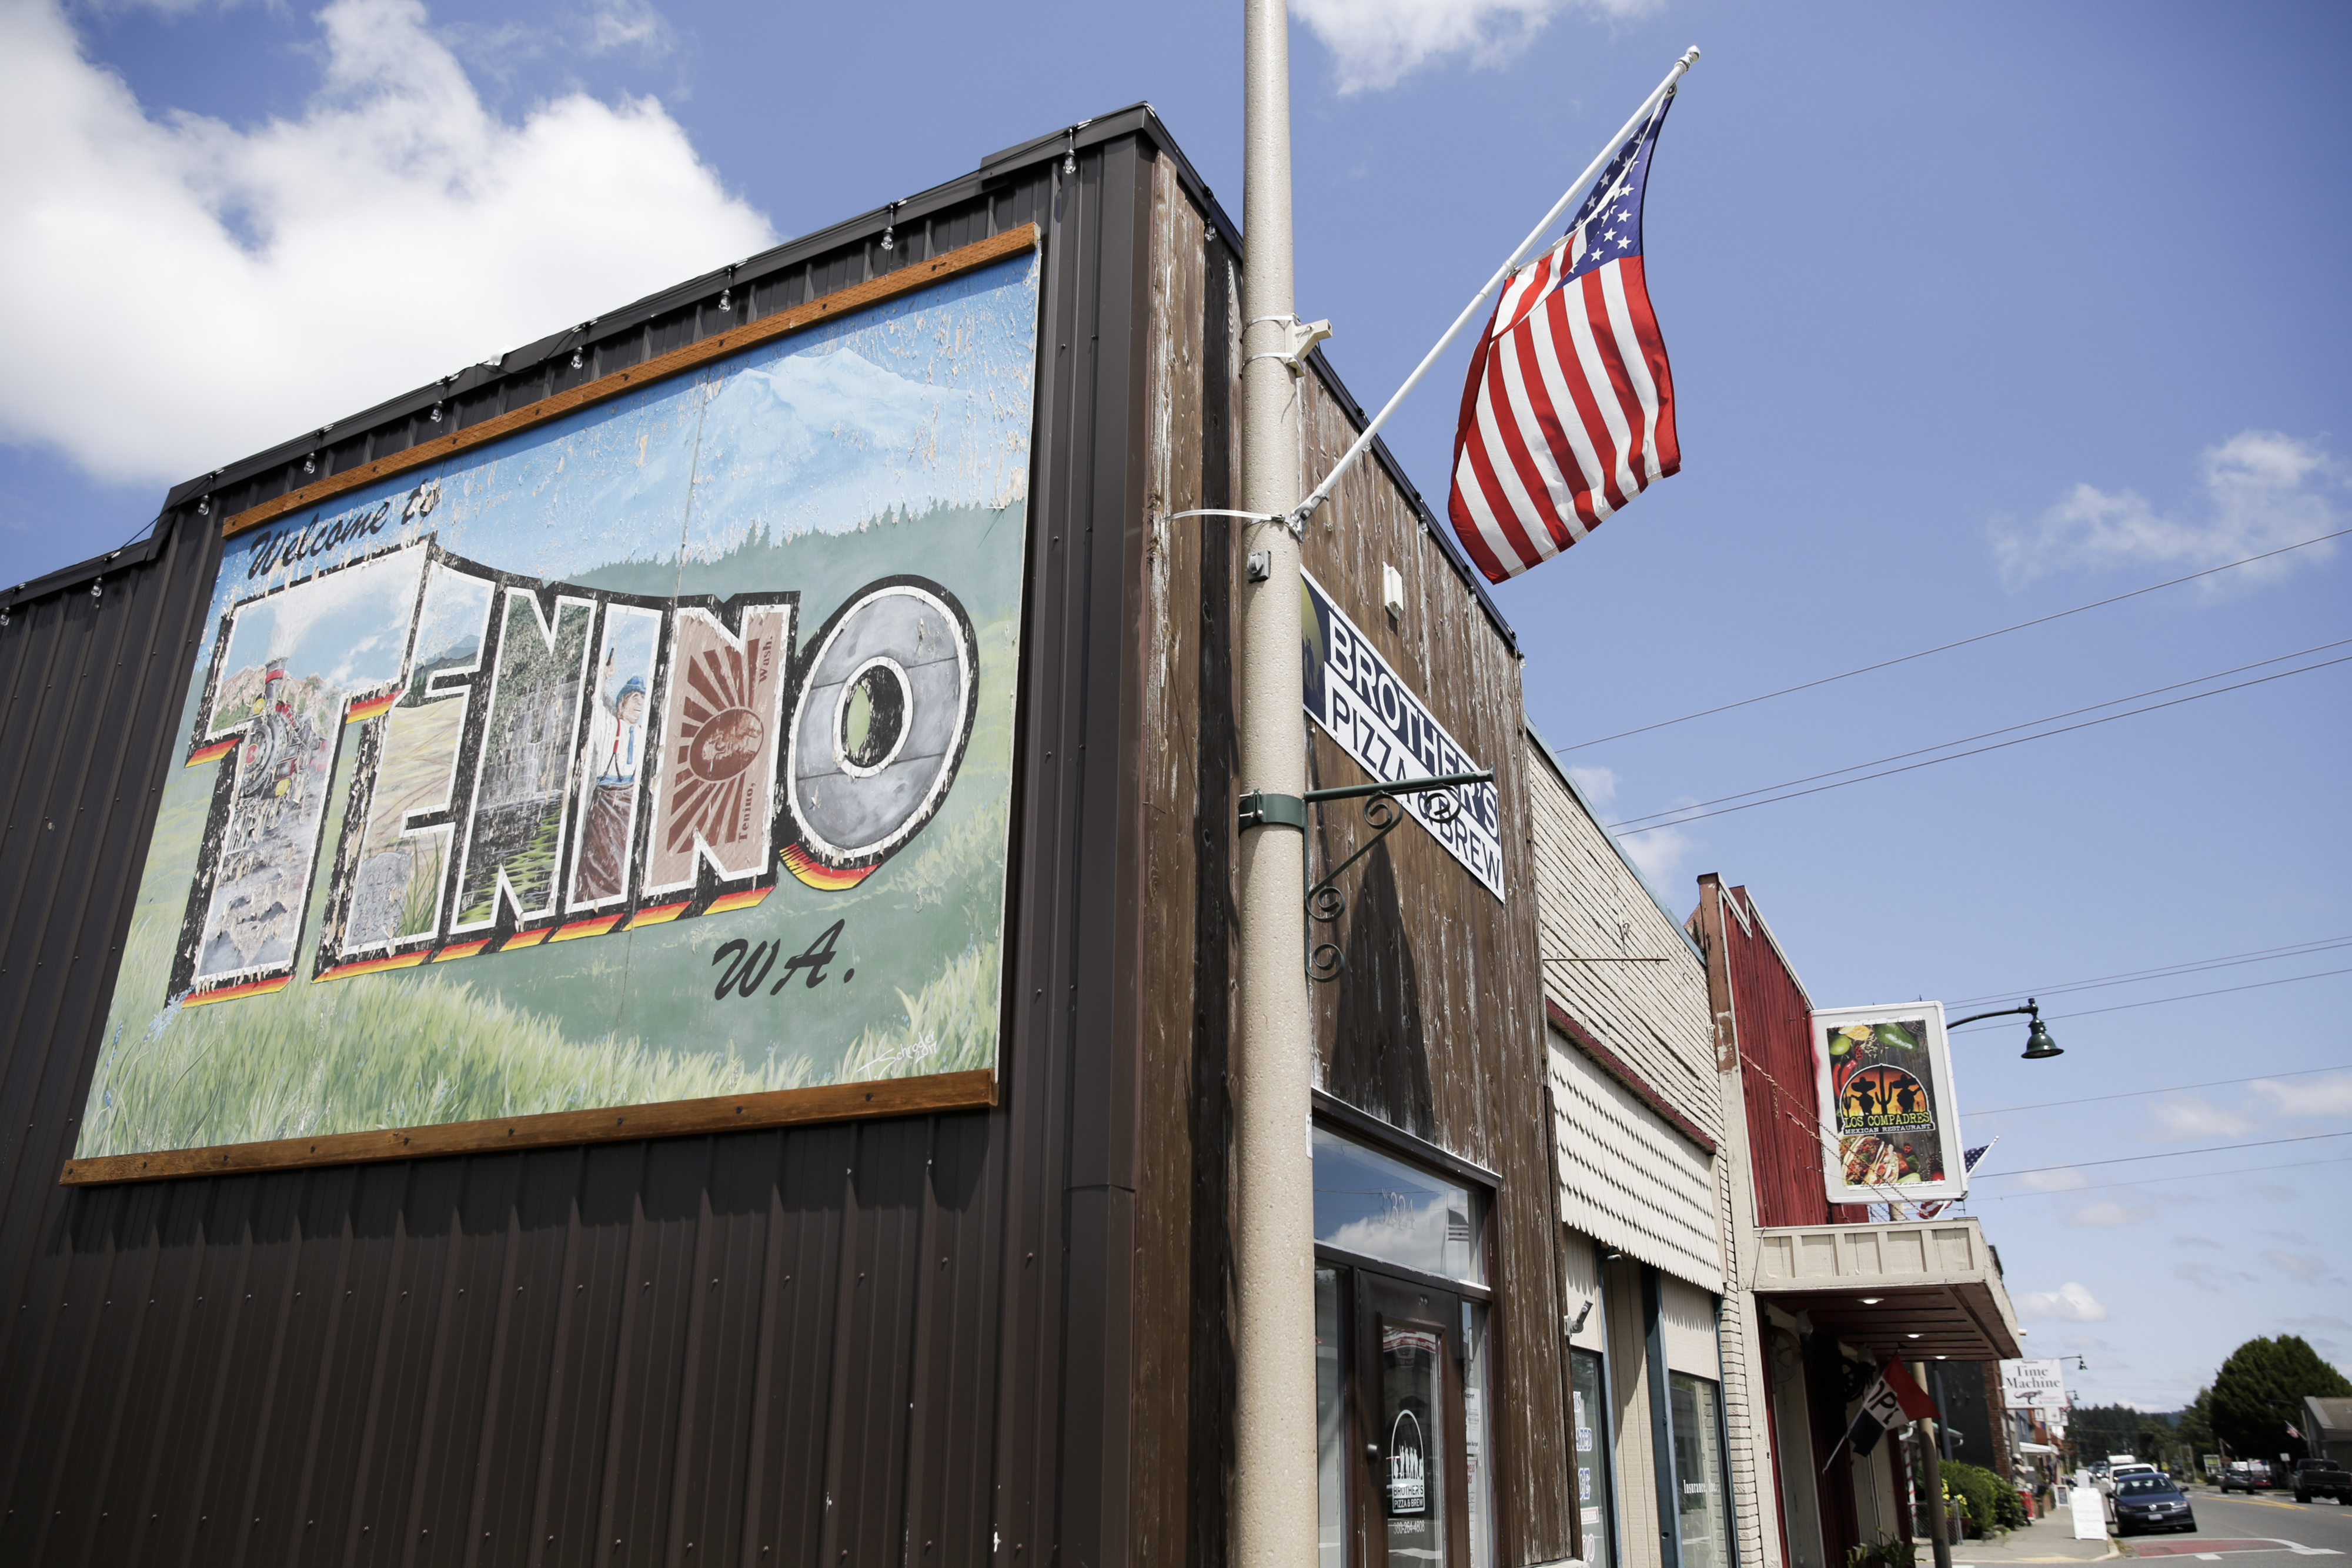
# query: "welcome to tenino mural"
{"type": "Point", "coordinates": [661, 752]}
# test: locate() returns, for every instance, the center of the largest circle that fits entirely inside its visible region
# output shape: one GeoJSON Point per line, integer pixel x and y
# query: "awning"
{"type": "Point", "coordinates": [2035, 1448]}
{"type": "Point", "coordinates": [1918, 1289]}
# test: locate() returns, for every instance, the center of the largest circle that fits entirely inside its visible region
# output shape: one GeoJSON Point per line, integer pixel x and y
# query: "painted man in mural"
{"type": "Point", "coordinates": [284, 742]}
{"type": "Point", "coordinates": [615, 742]}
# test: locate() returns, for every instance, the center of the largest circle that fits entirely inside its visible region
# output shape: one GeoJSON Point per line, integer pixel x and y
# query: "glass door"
{"type": "Point", "coordinates": [1409, 1373]}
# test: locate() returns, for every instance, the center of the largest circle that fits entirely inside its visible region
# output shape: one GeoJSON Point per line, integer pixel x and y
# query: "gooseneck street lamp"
{"type": "Point", "coordinates": [2039, 1046]}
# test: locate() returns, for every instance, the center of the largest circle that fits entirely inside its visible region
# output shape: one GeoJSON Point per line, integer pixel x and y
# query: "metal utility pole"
{"type": "Point", "coordinates": [1931, 1480]}
{"type": "Point", "coordinates": [1274, 1523]}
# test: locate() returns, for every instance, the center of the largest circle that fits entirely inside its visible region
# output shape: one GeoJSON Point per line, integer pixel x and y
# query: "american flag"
{"type": "Point", "coordinates": [1569, 413]}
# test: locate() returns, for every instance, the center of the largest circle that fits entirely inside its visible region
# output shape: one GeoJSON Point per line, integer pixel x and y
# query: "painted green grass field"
{"type": "Point", "coordinates": [622, 1020]}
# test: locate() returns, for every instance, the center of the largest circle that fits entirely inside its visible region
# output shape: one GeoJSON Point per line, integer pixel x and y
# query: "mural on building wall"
{"type": "Point", "coordinates": [1892, 1130]}
{"type": "Point", "coordinates": [660, 751]}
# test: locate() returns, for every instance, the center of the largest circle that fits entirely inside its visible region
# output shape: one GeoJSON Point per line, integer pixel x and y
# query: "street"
{"type": "Point", "coordinates": [2231, 1525]}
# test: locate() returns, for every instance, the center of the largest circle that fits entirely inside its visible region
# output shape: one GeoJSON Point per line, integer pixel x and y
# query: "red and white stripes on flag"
{"type": "Point", "coordinates": [1569, 412]}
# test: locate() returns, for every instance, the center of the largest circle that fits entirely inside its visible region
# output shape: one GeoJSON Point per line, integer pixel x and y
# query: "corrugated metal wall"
{"type": "Point", "coordinates": [901, 1342]}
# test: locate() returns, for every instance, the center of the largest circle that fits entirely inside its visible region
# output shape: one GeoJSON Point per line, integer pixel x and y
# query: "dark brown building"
{"type": "Point", "coordinates": [991, 1332]}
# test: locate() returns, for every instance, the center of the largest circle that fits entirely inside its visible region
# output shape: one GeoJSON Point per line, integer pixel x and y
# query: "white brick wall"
{"type": "Point", "coordinates": [1654, 1017]}
{"type": "Point", "coordinates": [1590, 904]}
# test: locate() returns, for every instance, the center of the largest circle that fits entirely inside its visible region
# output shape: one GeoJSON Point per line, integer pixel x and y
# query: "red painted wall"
{"type": "Point", "coordinates": [1774, 1023]}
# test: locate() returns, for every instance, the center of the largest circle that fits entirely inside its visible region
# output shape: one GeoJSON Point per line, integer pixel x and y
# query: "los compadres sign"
{"type": "Point", "coordinates": [1368, 708]}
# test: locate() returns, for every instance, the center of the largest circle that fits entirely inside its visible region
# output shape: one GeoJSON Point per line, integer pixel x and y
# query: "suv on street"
{"type": "Point", "coordinates": [2322, 1478]}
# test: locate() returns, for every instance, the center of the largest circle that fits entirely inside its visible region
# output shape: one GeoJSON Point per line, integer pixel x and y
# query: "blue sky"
{"type": "Point", "coordinates": [1976, 314]}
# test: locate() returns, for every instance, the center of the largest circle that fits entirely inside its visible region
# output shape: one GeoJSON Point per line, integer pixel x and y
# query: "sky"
{"type": "Point", "coordinates": [1976, 315]}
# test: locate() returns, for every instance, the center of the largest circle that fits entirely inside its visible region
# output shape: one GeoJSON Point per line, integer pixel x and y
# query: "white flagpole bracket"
{"type": "Point", "coordinates": [1658, 95]}
{"type": "Point", "coordinates": [1299, 339]}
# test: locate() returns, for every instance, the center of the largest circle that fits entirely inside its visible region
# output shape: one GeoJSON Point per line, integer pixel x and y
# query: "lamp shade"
{"type": "Point", "coordinates": [2039, 1045]}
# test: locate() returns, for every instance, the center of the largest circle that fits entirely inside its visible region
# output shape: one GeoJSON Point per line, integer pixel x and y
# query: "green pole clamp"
{"type": "Point", "coordinates": [1263, 809]}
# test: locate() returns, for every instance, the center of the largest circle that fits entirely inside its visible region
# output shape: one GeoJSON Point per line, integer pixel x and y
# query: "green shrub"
{"type": "Point", "coordinates": [1979, 1491]}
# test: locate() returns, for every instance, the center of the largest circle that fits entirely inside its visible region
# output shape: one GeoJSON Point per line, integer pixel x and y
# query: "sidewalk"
{"type": "Point", "coordinates": [2050, 1539]}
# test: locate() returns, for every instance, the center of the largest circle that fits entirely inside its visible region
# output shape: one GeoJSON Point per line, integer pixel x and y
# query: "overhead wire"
{"type": "Point", "coordinates": [2184, 997]}
{"type": "Point", "coordinates": [2136, 1094]}
{"type": "Point", "coordinates": [2151, 1181]}
{"type": "Point", "coordinates": [1978, 751]}
{"type": "Point", "coordinates": [1946, 647]}
{"type": "Point", "coordinates": [1981, 734]}
{"type": "Point", "coordinates": [2164, 971]}
{"type": "Point", "coordinates": [2168, 1155]}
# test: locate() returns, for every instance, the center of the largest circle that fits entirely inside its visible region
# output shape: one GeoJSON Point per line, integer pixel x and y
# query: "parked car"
{"type": "Point", "coordinates": [2150, 1501]}
{"type": "Point", "coordinates": [2322, 1478]}
{"type": "Point", "coordinates": [2248, 1476]}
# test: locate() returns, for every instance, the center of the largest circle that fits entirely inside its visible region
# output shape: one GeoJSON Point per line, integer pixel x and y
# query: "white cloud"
{"type": "Point", "coordinates": [1599, 784]}
{"type": "Point", "coordinates": [2208, 1277]}
{"type": "Point", "coordinates": [2262, 489]}
{"type": "Point", "coordinates": [617, 25]}
{"type": "Point", "coordinates": [1659, 855]}
{"type": "Point", "coordinates": [2301, 1265]}
{"type": "Point", "coordinates": [2107, 1213]}
{"type": "Point", "coordinates": [188, 291]}
{"type": "Point", "coordinates": [2070, 1302]}
{"type": "Point", "coordinates": [1375, 44]}
{"type": "Point", "coordinates": [2186, 1119]}
{"type": "Point", "coordinates": [2307, 1099]}
{"type": "Point", "coordinates": [2063, 1178]}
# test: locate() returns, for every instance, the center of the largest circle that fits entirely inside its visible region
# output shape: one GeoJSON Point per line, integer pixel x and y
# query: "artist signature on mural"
{"type": "Point", "coordinates": [748, 964]}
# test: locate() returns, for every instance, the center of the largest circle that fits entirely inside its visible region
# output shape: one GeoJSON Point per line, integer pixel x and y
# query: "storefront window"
{"type": "Point", "coordinates": [1330, 1422]}
{"type": "Point", "coordinates": [1704, 1526]}
{"type": "Point", "coordinates": [1595, 1495]}
{"type": "Point", "coordinates": [1377, 1206]}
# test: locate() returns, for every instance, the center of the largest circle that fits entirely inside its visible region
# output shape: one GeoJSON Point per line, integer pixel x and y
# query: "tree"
{"type": "Point", "coordinates": [2261, 1389]}
{"type": "Point", "coordinates": [2099, 1431]}
{"type": "Point", "coordinates": [2197, 1428]}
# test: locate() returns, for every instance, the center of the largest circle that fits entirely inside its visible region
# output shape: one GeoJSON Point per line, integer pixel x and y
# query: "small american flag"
{"type": "Point", "coordinates": [1569, 412]}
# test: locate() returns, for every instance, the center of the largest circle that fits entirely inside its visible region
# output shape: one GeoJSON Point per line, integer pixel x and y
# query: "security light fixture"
{"type": "Point", "coordinates": [1872, 1300]}
{"type": "Point", "coordinates": [2039, 1046]}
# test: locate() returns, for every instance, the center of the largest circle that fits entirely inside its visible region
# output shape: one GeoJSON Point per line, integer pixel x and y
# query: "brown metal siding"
{"type": "Point", "coordinates": [888, 1342]}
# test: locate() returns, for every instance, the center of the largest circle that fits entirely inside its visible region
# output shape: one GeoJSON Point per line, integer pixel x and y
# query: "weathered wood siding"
{"type": "Point", "coordinates": [1436, 1026]}
{"type": "Point", "coordinates": [1183, 807]}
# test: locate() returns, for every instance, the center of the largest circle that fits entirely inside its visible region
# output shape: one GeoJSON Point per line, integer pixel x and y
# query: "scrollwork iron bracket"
{"type": "Point", "coordinates": [1383, 811]}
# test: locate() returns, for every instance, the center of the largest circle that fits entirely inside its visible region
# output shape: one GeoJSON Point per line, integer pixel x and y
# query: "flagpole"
{"type": "Point", "coordinates": [1322, 492]}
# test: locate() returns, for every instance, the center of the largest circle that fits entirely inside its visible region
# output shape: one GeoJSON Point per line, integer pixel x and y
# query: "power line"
{"type": "Point", "coordinates": [1978, 751]}
{"type": "Point", "coordinates": [2172, 972]}
{"type": "Point", "coordinates": [2164, 971]}
{"type": "Point", "coordinates": [2151, 1181]}
{"type": "Point", "coordinates": [2170, 1155]}
{"type": "Point", "coordinates": [2184, 997]}
{"type": "Point", "coordinates": [1946, 647]}
{"type": "Point", "coordinates": [2135, 1093]}
{"type": "Point", "coordinates": [1981, 734]}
